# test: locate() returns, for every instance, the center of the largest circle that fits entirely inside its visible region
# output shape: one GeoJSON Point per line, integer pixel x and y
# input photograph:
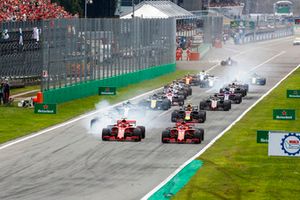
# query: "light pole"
{"type": "Point", "coordinates": [132, 1]}
{"type": "Point", "coordinates": [85, 6]}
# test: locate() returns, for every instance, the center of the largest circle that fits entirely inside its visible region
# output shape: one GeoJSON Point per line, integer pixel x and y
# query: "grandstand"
{"type": "Point", "coordinates": [28, 10]}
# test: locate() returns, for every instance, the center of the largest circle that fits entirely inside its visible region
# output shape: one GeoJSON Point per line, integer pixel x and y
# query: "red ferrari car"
{"type": "Point", "coordinates": [124, 130]}
{"type": "Point", "coordinates": [183, 133]}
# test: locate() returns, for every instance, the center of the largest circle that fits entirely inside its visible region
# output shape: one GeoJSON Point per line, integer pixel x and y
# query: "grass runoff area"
{"type": "Point", "coordinates": [25, 89]}
{"type": "Point", "coordinates": [236, 167]}
{"type": "Point", "coordinates": [17, 122]}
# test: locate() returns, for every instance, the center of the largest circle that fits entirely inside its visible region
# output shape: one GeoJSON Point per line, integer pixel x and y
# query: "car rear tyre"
{"type": "Point", "coordinates": [202, 105]}
{"type": "Point", "coordinates": [166, 104]}
{"type": "Point", "coordinates": [238, 99]}
{"type": "Point", "coordinates": [227, 105]}
{"type": "Point", "coordinates": [143, 130]}
{"type": "Point", "coordinates": [105, 132]}
{"type": "Point", "coordinates": [197, 135]}
{"type": "Point", "coordinates": [165, 134]}
{"type": "Point", "coordinates": [138, 133]}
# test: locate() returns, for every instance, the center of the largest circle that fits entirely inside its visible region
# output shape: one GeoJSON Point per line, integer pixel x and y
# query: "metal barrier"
{"type": "Point", "coordinates": [265, 35]}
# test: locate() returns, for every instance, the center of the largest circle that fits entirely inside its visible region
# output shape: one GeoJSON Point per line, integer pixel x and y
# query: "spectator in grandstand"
{"type": "Point", "coordinates": [23, 10]}
{"type": "Point", "coordinates": [6, 90]}
{"type": "Point", "coordinates": [1, 92]}
{"type": "Point", "coordinates": [5, 34]}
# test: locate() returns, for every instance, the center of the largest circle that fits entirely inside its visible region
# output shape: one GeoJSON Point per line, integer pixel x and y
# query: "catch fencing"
{"type": "Point", "coordinates": [20, 50]}
{"type": "Point", "coordinates": [81, 50]}
{"type": "Point", "coordinates": [66, 52]}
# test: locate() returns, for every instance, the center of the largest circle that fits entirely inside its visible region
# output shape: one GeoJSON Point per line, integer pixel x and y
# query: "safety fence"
{"type": "Point", "coordinates": [20, 49]}
{"type": "Point", "coordinates": [80, 50]}
{"type": "Point", "coordinates": [85, 53]}
{"type": "Point", "coordinates": [264, 35]}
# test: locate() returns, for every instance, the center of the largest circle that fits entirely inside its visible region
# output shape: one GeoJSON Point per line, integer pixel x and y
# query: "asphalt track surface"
{"type": "Point", "coordinates": [71, 163]}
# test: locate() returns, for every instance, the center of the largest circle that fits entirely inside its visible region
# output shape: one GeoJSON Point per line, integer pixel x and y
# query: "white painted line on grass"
{"type": "Point", "coordinates": [215, 139]}
{"type": "Point", "coordinates": [8, 144]}
{"type": "Point", "coordinates": [23, 93]}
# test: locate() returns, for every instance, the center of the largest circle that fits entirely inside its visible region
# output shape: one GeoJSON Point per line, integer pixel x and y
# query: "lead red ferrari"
{"type": "Point", "coordinates": [123, 130]}
{"type": "Point", "coordinates": [183, 132]}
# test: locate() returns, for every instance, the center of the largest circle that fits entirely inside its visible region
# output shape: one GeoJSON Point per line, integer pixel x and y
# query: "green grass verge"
{"type": "Point", "coordinates": [16, 122]}
{"type": "Point", "coordinates": [25, 89]}
{"type": "Point", "coordinates": [236, 167]}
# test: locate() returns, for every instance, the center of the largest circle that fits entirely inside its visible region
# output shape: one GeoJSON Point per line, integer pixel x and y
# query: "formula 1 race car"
{"type": "Point", "coordinates": [228, 62]}
{"type": "Point", "coordinates": [215, 103]}
{"type": "Point", "coordinates": [257, 80]}
{"type": "Point", "coordinates": [192, 80]}
{"type": "Point", "coordinates": [179, 87]}
{"type": "Point", "coordinates": [183, 133]}
{"type": "Point", "coordinates": [189, 113]}
{"type": "Point", "coordinates": [236, 87]}
{"type": "Point", "coordinates": [206, 80]}
{"type": "Point", "coordinates": [175, 99]}
{"type": "Point", "coordinates": [233, 97]}
{"type": "Point", "coordinates": [157, 102]}
{"type": "Point", "coordinates": [123, 130]}
{"type": "Point", "coordinates": [296, 41]}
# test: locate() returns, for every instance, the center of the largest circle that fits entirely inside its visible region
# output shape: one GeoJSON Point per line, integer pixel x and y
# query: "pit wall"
{"type": "Point", "coordinates": [90, 88]}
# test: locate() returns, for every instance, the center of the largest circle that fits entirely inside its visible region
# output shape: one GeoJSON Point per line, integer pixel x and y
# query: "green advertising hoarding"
{"type": "Point", "coordinates": [293, 93]}
{"type": "Point", "coordinates": [262, 136]}
{"type": "Point", "coordinates": [284, 114]}
{"type": "Point", "coordinates": [45, 108]}
{"type": "Point", "coordinates": [107, 91]}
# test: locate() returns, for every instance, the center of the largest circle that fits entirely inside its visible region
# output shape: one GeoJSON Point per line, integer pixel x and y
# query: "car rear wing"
{"type": "Point", "coordinates": [131, 122]}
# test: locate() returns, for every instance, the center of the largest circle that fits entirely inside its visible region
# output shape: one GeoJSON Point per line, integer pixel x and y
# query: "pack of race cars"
{"type": "Point", "coordinates": [187, 115]}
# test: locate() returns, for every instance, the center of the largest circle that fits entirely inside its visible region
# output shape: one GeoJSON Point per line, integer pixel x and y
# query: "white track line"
{"type": "Point", "coordinates": [163, 113]}
{"type": "Point", "coordinates": [8, 144]}
{"type": "Point", "coordinates": [218, 64]}
{"type": "Point", "coordinates": [231, 49]}
{"type": "Point", "coordinates": [277, 55]}
{"type": "Point", "coordinates": [215, 139]}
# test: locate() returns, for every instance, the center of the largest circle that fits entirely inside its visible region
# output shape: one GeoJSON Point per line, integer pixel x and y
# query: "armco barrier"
{"type": "Point", "coordinates": [267, 35]}
{"type": "Point", "coordinates": [61, 95]}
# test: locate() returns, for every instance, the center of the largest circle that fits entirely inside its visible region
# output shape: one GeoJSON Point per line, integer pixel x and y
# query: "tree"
{"type": "Point", "coordinates": [102, 8]}
{"type": "Point", "coordinates": [99, 8]}
{"type": "Point", "coordinates": [72, 6]}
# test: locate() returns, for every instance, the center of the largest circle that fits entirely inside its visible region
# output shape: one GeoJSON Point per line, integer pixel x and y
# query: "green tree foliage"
{"type": "Point", "coordinates": [102, 8]}
{"type": "Point", "coordinates": [72, 6]}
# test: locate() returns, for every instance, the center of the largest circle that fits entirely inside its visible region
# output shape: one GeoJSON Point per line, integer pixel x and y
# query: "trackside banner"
{"type": "Point", "coordinates": [107, 91]}
{"type": "Point", "coordinates": [284, 144]}
{"type": "Point", "coordinates": [293, 93]}
{"type": "Point", "coordinates": [45, 108]}
{"type": "Point", "coordinates": [284, 114]}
